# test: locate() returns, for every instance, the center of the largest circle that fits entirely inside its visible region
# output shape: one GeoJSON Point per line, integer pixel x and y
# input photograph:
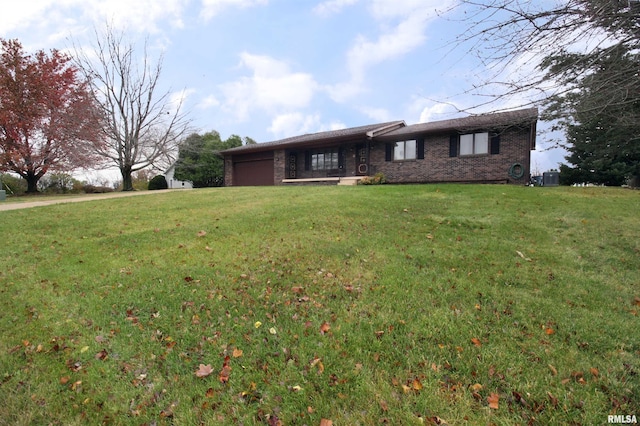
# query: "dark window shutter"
{"type": "Point", "coordinates": [420, 149]}
{"type": "Point", "coordinates": [388, 151]}
{"type": "Point", "coordinates": [307, 160]}
{"type": "Point", "coordinates": [495, 144]}
{"type": "Point", "coordinates": [453, 145]}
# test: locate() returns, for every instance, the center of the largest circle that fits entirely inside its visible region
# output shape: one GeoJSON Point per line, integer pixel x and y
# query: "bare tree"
{"type": "Point", "coordinates": [516, 41]}
{"type": "Point", "coordinates": [143, 127]}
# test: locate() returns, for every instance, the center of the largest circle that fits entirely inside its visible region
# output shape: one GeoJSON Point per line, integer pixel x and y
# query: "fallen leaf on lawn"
{"type": "Point", "coordinates": [257, 324]}
{"type": "Point", "coordinates": [273, 330]}
{"type": "Point", "coordinates": [549, 331]}
{"type": "Point", "coordinates": [477, 387]}
{"type": "Point", "coordinates": [210, 393]}
{"type": "Point", "coordinates": [64, 380]}
{"type": "Point", "coordinates": [168, 412]}
{"type": "Point", "coordinates": [316, 362]}
{"type": "Point", "coordinates": [493, 400]}
{"type": "Point", "coordinates": [636, 301]}
{"type": "Point", "coordinates": [202, 233]}
{"type": "Point", "coordinates": [325, 422]}
{"type": "Point", "coordinates": [204, 370]}
{"type": "Point", "coordinates": [553, 370]}
{"type": "Point", "coordinates": [383, 405]}
{"type": "Point", "coordinates": [226, 371]}
{"type": "Point", "coordinates": [324, 328]}
{"type": "Point", "coordinates": [102, 355]}
{"type": "Point", "coordinates": [84, 349]}
{"type": "Point", "coordinates": [476, 342]}
{"type": "Point", "coordinates": [523, 256]}
{"type": "Point", "coordinates": [237, 353]}
{"type": "Point", "coordinates": [417, 385]}
{"type": "Point", "coordinates": [594, 372]}
{"type": "Point", "coordinates": [297, 290]}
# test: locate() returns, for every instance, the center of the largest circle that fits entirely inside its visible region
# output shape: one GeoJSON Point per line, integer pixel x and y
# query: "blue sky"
{"type": "Point", "coordinates": [270, 69]}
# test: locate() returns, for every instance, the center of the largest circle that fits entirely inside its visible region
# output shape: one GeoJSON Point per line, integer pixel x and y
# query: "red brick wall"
{"type": "Point", "coordinates": [437, 166]}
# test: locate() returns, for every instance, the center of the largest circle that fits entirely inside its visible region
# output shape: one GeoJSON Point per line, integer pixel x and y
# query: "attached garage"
{"type": "Point", "coordinates": [253, 170]}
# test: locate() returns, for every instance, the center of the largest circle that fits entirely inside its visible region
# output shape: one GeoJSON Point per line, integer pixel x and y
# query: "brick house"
{"type": "Point", "coordinates": [487, 148]}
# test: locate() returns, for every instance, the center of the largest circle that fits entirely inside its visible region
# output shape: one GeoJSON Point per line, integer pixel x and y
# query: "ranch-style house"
{"type": "Point", "coordinates": [486, 148]}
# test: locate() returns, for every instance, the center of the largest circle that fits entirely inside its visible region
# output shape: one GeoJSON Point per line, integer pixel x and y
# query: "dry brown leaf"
{"type": "Point", "coordinates": [476, 342]}
{"type": "Point", "coordinates": [417, 385]}
{"type": "Point", "coordinates": [493, 400]}
{"type": "Point", "coordinates": [204, 370]}
{"type": "Point", "coordinates": [477, 387]}
{"type": "Point", "coordinates": [224, 374]}
{"type": "Point", "coordinates": [326, 422]}
{"type": "Point", "coordinates": [202, 233]}
{"type": "Point", "coordinates": [553, 370]}
{"type": "Point", "coordinates": [237, 353]}
{"type": "Point", "coordinates": [325, 327]}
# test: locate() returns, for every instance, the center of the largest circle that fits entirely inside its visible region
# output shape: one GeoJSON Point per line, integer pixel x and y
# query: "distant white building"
{"type": "Point", "coordinates": [173, 183]}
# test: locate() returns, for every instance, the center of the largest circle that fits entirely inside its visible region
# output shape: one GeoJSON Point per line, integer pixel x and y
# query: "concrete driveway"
{"type": "Point", "coordinates": [9, 205]}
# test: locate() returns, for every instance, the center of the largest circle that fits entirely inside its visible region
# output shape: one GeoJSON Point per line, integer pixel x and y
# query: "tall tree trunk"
{"type": "Point", "coordinates": [32, 182]}
{"type": "Point", "coordinates": [127, 181]}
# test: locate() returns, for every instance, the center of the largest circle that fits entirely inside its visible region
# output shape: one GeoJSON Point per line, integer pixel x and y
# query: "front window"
{"type": "Point", "coordinates": [325, 160]}
{"type": "Point", "coordinates": [474, 144]}
{"type": "Point", "coordinates": [405, 150]}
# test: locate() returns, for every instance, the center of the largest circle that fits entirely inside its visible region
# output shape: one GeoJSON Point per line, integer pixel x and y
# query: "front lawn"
{"type": "Point", "coordinates": [416, 304]}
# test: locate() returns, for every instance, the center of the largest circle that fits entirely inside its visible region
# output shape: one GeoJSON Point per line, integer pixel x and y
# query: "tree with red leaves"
{"type": "Point", "coordinates": [48, 118]}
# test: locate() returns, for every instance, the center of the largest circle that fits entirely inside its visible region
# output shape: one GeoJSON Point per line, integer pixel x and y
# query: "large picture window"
{"type": "Point", "coordinates": [325, 160]}
{"type": "Point", "coordinates": [474, 144]}
{"type": "Point", "coordinates": [405, 150]}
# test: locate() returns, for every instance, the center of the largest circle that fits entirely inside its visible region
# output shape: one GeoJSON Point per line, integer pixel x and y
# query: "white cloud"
{"type": "Point", "coordinates": [297, 123]}
{"type": "Point", "coordinates": [211, 8]}
{"type": "Point", "coordinates": [331, 7]}
{"type": "Point", "coordinates": [272, 87]}
{"type": "Point", "coordinates": [395, 39]}
{"type": "Point", "coordinates": [378, 114]}
{"type": "Point", "coordinates": [209, 102]}
{"type": "Point", "coordinates": [438, 111]}
{"type": "Point", "coordinates": [139, 15]}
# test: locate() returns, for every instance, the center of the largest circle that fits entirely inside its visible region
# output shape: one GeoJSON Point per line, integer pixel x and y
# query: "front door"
{"type": "Point", "coordinates": [362, 160]}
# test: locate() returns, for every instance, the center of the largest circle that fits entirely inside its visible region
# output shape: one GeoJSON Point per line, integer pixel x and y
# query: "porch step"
{"type": "Point", "coordinates": [350, 180]}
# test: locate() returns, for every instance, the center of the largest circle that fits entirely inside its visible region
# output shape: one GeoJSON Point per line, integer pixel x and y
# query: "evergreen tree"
{"type": "Point", "coordinates": [198, 159]}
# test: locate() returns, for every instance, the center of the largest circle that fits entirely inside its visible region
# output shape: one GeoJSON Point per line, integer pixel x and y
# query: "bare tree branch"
{"type": "Point", "coordinates": [143, 127]}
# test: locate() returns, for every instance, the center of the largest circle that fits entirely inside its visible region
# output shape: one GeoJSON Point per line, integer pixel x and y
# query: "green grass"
{"type": "Point", "coordinates": [404, 304]}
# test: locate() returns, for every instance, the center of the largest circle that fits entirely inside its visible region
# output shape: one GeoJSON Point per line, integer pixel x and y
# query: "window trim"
{"type": "Point", "coordinates": [474, 144]}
